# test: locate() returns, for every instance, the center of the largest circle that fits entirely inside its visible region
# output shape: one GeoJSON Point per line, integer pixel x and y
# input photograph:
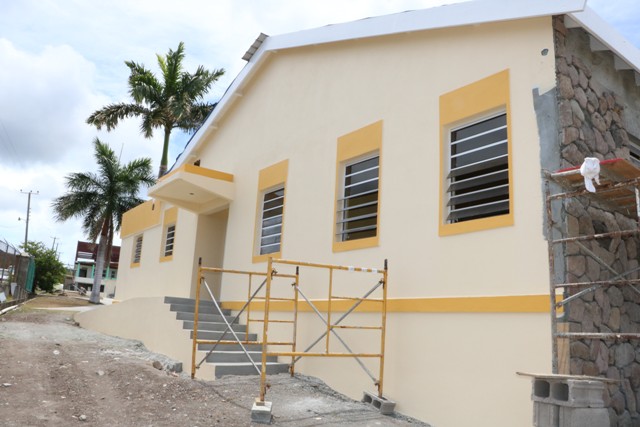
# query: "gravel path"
{"type": "Point", "coordinates": [53, 373]}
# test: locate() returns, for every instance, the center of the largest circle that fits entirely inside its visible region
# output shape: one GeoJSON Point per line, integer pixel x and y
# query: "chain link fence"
{"type": "Point", "coordinates": [16, 275]}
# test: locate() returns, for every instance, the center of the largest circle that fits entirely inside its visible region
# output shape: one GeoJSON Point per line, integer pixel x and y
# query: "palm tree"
{"type": "Point", "coordinates": [101, 198]}
{"type": "Point", "coordinates": [174, 102]}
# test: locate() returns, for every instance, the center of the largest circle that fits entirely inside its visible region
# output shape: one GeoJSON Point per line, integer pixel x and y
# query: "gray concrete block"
{"type": "Point", "coordinates": [583, 417]}
{"type": "Point", "coordinates": [261, 412]}
{"type": "Point", "coordinates": [545, 414]}
{"type": "Point", "coordinates": [540, 390]}
{"type": "Point", "coordinates": [384, 405]}
{"type": "Point", "coordinates": [579, 393]}
{"type": "Point", "coordinates": [576, 393]}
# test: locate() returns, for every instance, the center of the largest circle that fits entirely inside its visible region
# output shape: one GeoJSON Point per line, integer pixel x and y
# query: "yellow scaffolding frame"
{"type": "Point", "coordinates": [331, 326]}
{"type": "Point", "coordinates": [251, 296]}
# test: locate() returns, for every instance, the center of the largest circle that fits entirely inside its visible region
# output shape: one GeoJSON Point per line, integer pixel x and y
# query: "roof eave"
{"type": "Point", "coordinates": [607, 36]}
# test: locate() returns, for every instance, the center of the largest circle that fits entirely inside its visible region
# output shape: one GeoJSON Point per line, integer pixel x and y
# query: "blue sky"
{"type": "Point", "coordinates": [60, 60]}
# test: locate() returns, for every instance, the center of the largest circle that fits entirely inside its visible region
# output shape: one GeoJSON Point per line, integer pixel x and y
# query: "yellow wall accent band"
{"type": "Point", "coordinates": [267, 178]}
{"type": "Point", "coordinates": [492, 304]}
{"type": "Point", "coordinates": [198, 170]}
{"type": "Point", "coordinates": [355, 144]}
{"type": "Point", "coordinates": [140, 218]}
{"type": "Point", "coordinates": [465, 105]}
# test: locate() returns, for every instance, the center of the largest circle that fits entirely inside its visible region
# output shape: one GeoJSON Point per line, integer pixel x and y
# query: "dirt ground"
{"type": "Point", "coordinates": [53, 373]}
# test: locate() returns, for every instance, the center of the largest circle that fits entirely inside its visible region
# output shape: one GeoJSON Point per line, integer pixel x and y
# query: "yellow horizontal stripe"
{"type": "Point", "coordinates": [492, 304]}
{"type": "Point", "coordinates": [143, 216]}
{"type": "Point", "coordinates": [197, 170]}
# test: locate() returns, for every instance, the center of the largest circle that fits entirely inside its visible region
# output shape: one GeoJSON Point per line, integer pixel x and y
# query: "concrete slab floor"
{"type": "Point", "coordinates": [306, 401]}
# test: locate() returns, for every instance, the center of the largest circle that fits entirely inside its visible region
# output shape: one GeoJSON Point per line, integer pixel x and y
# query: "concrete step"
{"type": "Point", "coordinates": [248, 369]}
{"type": "Point", "coordinates": [204, 304]}
{"type": "Point", "coordinates": [203, 317]}
{"type": "Point", "coordinates": [212, 326]}
{"type": "Point", "coordinates": [228, 359]}
{"type": "Point", "coordinates": [190, 308]}
{"type": "Point", "coordinates": [210, 335]}
{"type": "Point", "coordinates": [237, 357]}
{"type": "Point", "coordinates": [230, 347]}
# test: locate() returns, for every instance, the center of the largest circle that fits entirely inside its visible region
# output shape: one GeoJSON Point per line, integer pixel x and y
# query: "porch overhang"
{"type": "Point", "coordinates": [196, 189]}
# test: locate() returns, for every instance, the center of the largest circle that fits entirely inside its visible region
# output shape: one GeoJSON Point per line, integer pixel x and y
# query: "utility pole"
{"type": "Point", "coordinates": [54, 241]}
{"type": "Point", "coordinates": [26, 231]}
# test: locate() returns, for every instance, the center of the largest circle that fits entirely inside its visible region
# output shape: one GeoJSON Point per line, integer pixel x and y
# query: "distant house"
{"type": "Point", "coordinates": [85, 266]}
{"type": "Point", "coordinates": [423, 138]}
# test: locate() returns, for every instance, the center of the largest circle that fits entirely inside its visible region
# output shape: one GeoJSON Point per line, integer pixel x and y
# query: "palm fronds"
{"type": "Point", "coordinates": [174, 101]}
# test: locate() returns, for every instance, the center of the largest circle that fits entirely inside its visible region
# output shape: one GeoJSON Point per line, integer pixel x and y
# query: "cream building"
{"type": "Point", "coordinates": [417, 138]}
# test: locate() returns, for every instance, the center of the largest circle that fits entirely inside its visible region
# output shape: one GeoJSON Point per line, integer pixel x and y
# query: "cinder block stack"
{"type": "Point", "coordinates": [568, 402]}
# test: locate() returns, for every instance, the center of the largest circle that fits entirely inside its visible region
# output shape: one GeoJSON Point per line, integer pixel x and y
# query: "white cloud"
{"type": "Point", "coordinates": [44, 99]}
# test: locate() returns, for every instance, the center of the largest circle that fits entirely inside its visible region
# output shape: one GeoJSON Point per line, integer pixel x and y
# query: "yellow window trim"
{"type": "Point", "coordinates": [265, 257]}
{"type": "Point", "coordinates": [463, 105]}
{"type": "Point", "coordinates": [135, 265]}
{"type": "Point", "coordinates": [170, 218]}
{"type": "Point", "coordinates": [270, 177]}
{"type": "Point", "coordinates": [356, 144]}
{"type": "Point", "coordinates": [477, 304]}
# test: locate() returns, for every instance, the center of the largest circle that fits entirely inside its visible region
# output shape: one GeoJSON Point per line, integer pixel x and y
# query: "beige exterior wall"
{"type": "Point", "coordinates": [157, 275]}
{"type": "Point", "coordinates": [209, 245]}
{"type": "Point", "coordinates": [157, 328]}
{"type": "Point", "coordinates": [450, 370]}
{"type": "Point", "coordinates": [397, 80]}
{"type": "Point", "coordinates": [447, 365]}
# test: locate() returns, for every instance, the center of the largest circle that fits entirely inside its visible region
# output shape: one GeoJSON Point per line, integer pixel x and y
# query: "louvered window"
{"type": "Point", "coordinates": [358, 208]}
{"type": "Point", "coordinates": [478, 170]}
{"type": "Point", "coordinates": [168, 245]}
{"type": "Point", "coordinates": [271, 225]}
{"type": "Point", "coordinates": [137, 250]}
{"type": "Point", "coordinates": [634, 150]}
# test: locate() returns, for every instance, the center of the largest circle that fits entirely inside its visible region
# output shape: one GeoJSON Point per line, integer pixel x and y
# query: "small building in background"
{"type": "Point", "coordinates": [85, 266]}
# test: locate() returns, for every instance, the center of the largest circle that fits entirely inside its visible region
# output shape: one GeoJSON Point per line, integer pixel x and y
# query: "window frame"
{"type": "Point", "coordinates": [169, 230]}
{"type": "Point", "coordinates": [341, 209]}
{"type": "Point", "coordinates": [482, 171]}
{"type": "Point", "coordinates": [280, 224]}
{"type": "Point", "coordinates": [634, 149]}
{"type": "Point", "coordinates": [463, 107]}
{"type": "Point", "coordinates": [136, 253]}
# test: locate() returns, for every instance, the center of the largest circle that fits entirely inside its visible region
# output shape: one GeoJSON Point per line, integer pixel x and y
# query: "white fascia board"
{"type": "Point", "coordinates": [453, 15]}
{"type": "Point", "coordinates": [608, 36]}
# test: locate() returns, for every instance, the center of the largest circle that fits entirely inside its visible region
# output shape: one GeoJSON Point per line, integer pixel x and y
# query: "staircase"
{"type": "Point", "coordinates": [228, 359]}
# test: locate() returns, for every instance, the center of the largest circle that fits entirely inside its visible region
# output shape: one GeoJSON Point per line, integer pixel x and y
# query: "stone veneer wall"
{"type": "Point", "coordinates": [598, 106]}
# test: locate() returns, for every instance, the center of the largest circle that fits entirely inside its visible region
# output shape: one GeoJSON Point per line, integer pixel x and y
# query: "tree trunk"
{"type": "Point", "coordinates": [97, 277]}
{"type": "Point", "coordinates": [165, 153]}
